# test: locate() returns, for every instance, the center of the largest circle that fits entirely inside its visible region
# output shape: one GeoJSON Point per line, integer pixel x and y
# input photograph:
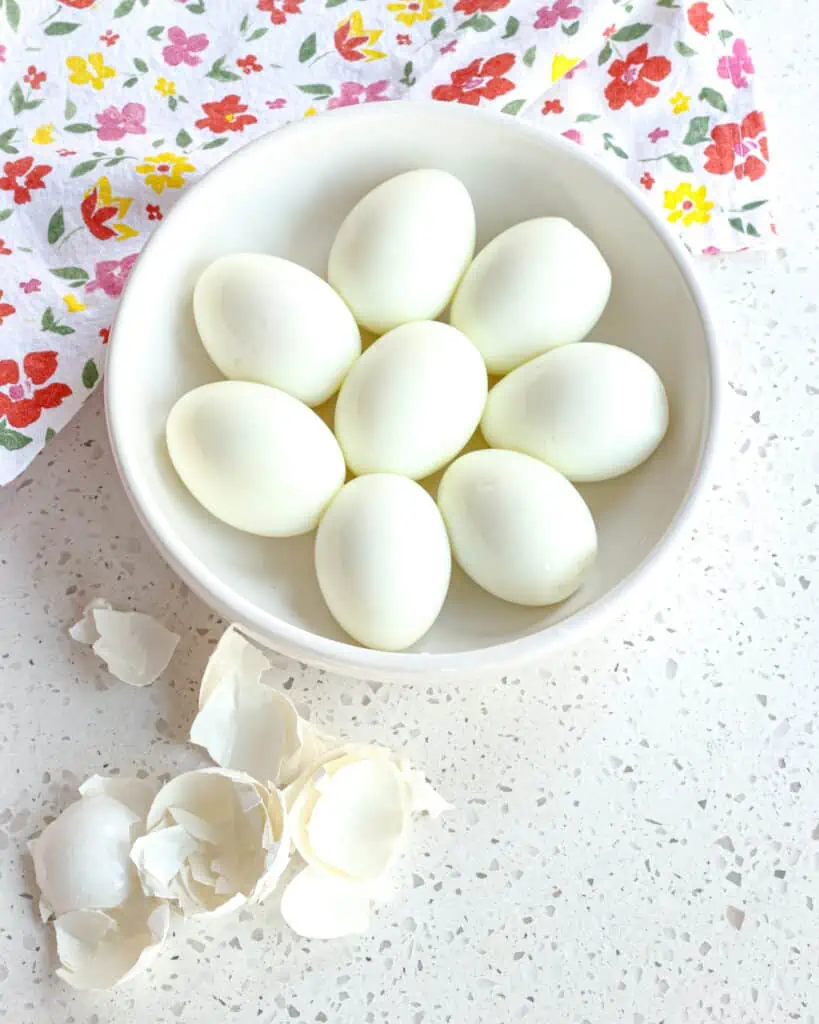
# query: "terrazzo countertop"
{"type": "Point", "coordinates": [636, 832]}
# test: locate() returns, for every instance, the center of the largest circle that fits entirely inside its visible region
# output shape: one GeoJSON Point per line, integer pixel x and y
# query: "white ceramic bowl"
{"type": "Point", "coordinates": [286, 194]}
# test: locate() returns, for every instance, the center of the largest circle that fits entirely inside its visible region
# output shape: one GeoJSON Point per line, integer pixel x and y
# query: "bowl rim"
{"type": "Point", "coordinates": [341, 656]}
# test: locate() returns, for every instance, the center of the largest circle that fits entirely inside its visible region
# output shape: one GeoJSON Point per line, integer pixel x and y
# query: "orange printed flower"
{"type": "Point", "coordinates": [227, 115]}
{"type": "Point", "coordinates": [24, 396]}
{"type": "Point", "coordinates": [100, 206]}
{"type": "Point", "coordinates": [22, 177]}
{"type": "Point", "coordinates": [6, 309]}
{"type": "Point", "coordinates": [354, 42]}
{"type": "Point", "coordinates": [741, 148]}
{"type": "Point", "coordinates": [279, 9]}
{"type": "Point", "coordinates": [633, 78]}
{"type": "Point", "coordinates": [700, 18]}
{"type": "Point", "coordinates": [478, 80]}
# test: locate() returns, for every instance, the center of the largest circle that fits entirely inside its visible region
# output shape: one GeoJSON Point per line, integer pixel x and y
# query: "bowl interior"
{"type": "Point", "coordinates": [287, 194]}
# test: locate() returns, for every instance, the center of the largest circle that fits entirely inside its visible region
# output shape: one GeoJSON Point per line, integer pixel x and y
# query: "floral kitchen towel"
{"type": "Point", "coordinates": [110, 108]}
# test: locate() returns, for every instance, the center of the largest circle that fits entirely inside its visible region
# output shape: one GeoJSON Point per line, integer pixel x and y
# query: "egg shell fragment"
{"type": "Point", "coordinates": [318, 905]}
{"type": "Point", "coordinates": [518, 528]}
{"type": "Point", "coordinates": [265, 319]}
{"type": "Point", "coordinates": [412, 401]}
{"type": "Point", "coordinates": [383, 560]}
{"type": "Point", "coordinates": [592, 411]}
{"type": "Point", "coordinates": [400, 252]}
{"type": "Point", "coordinates": [538, 285]}
{"type": "Point", "coordinates": [254, 457]}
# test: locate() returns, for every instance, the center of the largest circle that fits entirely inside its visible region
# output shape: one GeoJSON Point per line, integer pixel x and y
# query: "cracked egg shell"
{"type": "Point", "coordinates": [318, 905]}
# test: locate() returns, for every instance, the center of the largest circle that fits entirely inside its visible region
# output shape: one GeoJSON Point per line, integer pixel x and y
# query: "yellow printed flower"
{"type": "Point", "coordinates": [679, 102]}
{"type": "Point", "coordinates": [310, 112]}
{"type": "Point", "coordinates": [354, 42]}
{"type": "Point", "coordinates": [43, 135]}
{"type": "Point", "coordinates": [410, 11]}
{"type": "Point", "coordinates": [165, 87]}
{"type": "Point", "coordinates": [103, 213]}
{"type": "Point", "coordinates": [91, 72]}
{"type": "Point", "coordinates": [688, 205]}
{"type": "Point", "coordinates": [73, 304]}
{"type": "Point", "coordinates": [562, 65]}
{"type": "Point", "coordinates": [165, 170]}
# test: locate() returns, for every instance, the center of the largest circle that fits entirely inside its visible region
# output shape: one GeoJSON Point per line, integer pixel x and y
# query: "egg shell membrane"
{"type": "Point", "coordinates": [319, 905]}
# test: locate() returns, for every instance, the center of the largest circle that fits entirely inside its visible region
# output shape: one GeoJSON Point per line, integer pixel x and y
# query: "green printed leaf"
{"type": "Point", "coordinates": [307, 48]}
{"type": "Point", "coordinates": [84, 168]}
{"type": "Point", "coordinates": [697, 131]}
{"type": "Point", "coordinates": [61, 28]}
{"type": "Point", "coordinates": [335, 3]}
{"type": "Point", "coordinates": [50, 432]}
{"type": "Point", "coordinates": [215, 143]}
{"type": "Point", "coordinates": [680, 163]}
{"type": "Point", "coordinates": [13, 14]}
{"type": "Point", "coordinates": [408, 78]}
{"type": "Point", "coordinates": [587, 117]}
{"type": "Point", "coordinates": [684, 50]}
{"type": "Point", "coordinates": [605, 54]}
{"type": "Point", "coordinates": [79, 128]}
{"type": "Point", "coordinates": [48, 323]}
{"type": "Point", "coordinates": [256, 34]}
{"type": "Point", "coordinates": [629, 33]}
{"type": "Point", "coordinates": [437, 27]}
{"type": "Point", "coordinates": [243, 24]}
{"type": "Point", "coordinates": [220, 73]}
{"type": "Point", "coordinates": [140, 65]}
{"type": "Point", "coordinates": [571, 30]}
{"type": "Point", "coordinates": [478, 22]}
{"type": "Point", "coordinates": [724, 35]}
{"type": "Point", "coordinates": [18, 101]}
{"type": "Point", "coordinates": [512, 25]}
{"type": "Point", "coordinates": [125, 7]}
{"type": "Point", "coordinates": [70, 110]}
{"type": "Point", "coordinates": [529, 56]}
{"type": "Point", "coordinates": [751, 230]}
{"type": "Point", "coordinates": [5, 141]}
{"type": "Point", "coordinates": [183, 139]}
{"type": "Point", "coordinates": [754, 206]}
{"type": "Point", "coordinates": [71, 274]}
{"type": "Point", "coordinates": [130, 82]}
{"type": "Point", "coordinates": [56, 226]}
{"type": "Point", "coordinates": [319, 90]}
{"type": "Point", "coordinates": [613, 147]}
{"type": "Point", "coordinates": [12, 440]}
{"type": "Point", "coordinates": [90, 374]}
{"type": "Point", "coordinates": [737, 225]}
{"type": "Point", "coordinates": [514, 107]}
{"type": "Point", "coordinates": [716, 99]}
{"type": "Point", "coordinates": [155, 31]}
{"type": "Point", "coordinates": [197, 8]}
{"type": "Point", "coordinates": [173, 102]}
{"type": "Point", "coordinates": [5, 214]}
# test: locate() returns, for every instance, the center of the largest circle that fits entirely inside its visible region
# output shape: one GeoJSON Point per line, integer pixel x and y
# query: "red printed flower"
{"type": "Point", "coordinates": [403, 40]}
{"type": "Point", "coordinates": [609, 32]}
{"type": "Point", "coordinates": [279, 9]}
{"type": "Point", "coordinates": [22, 178]}
{"type": "Point", "coordinates": [478, 80]}
{"type": "Point", "coordinates": [249, 64]}
{"type": "Point", "coordinates": [227, 115]}
{"type": "Point", "coordinates": [633, 78]}
{"type": "Point", "coordinates": [6, 309]}
{"type": "Point", "coordinates": [105, 334]}
{"type": "Point", "coordinates": [474, 6]}
{"type": "Point", "coordinates": [109, 38]}
{"type": "Point", "coordinates": [647, 181]}
{"type": "Point", "coordinates": [742, 149]}
{"type": "Point", "coordinates": [699, 18]}
{"type": "Point", "coordinates": [23, 397]}
{"type": "Point", "coordinates": [153, 211]}
{"type": "Point", "coordinates": [33, 77]}
{"type": "Point", "coordinates": [4, 251]}
{"type": "Point", "coordinates": [552, 107]}
{"type": "Point", "coordinates": [78, 5]}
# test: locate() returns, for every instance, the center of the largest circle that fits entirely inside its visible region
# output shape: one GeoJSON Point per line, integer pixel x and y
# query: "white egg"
{"type": "Point", "coordinates": [538, 285]}
{"type": "Point", "coordinates": [400, 252]}
{"type": "Point", "coordinates": [411, 402]}
{"type": "Point", "coordinates": [268, 320]}
{"type": "Point", "coordinates": [517, 527]}
{"type": "Point", "coordinates": [383, 561]}
{"type": "Point", "coordinates": [256, 458]}
{"type": "Point", "coordinates": [592, 411]}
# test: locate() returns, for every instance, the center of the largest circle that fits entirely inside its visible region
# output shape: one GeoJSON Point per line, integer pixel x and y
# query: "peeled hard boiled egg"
{"type": "Point", "coordinates": [383, 560]}
{"type": "Point", "coordinates": [540, 284]}
{"type": "Point", "coordinates": [411, 402]}
{"type": "Point", "coordinates": [517, 527]}
{"type": "Point", "coordinates": [254, 457]}
{"type": "Point", "coordinates": [592, 411]}
{"type": "Point", "coordinates": [268, 320]}
{"type": "Point", "coordinates": [400, 252]}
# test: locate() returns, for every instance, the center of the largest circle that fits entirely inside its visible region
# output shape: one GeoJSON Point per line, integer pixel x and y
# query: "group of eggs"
{"type": "Point", "coordinates": [253, 452]}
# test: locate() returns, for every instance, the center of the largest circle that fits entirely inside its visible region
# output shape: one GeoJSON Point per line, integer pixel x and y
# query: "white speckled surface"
{"type": "Point", "coordinates": [636, 833]}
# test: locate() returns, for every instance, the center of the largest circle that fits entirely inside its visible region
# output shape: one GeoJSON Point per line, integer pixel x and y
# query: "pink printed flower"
{"type": "Point", "coordinates": [549, 16]}
{"type": "Point", "coordinates": [711, 250]}
{"type": "Point", "coordinates": [450, 47]}
{"type": "Point", "coordinates": [111, 275]}
{"type": "Point", "coordinates": [276, 104]}
{"type": "Point", "coordinates": [2, 55]}
{"type": "Point", "coordinates": [403, 39]}
{"type": "Point", "coordinates": [115, 124]}
{"type": "Point", "coordinates": [737, 66]}
{"type": "Point", "coordinates": [657, 134]}
{"type": "Point", "coordinates": [575, 70]}
{"type": "Point", "coordinates": [183, 49]}
{"type": "Point", "coordinates": [573, 135]}
{"type": "Point", "coordinates": [352, 93]}
{"type": "Point", "coordinates": [27, 287]}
